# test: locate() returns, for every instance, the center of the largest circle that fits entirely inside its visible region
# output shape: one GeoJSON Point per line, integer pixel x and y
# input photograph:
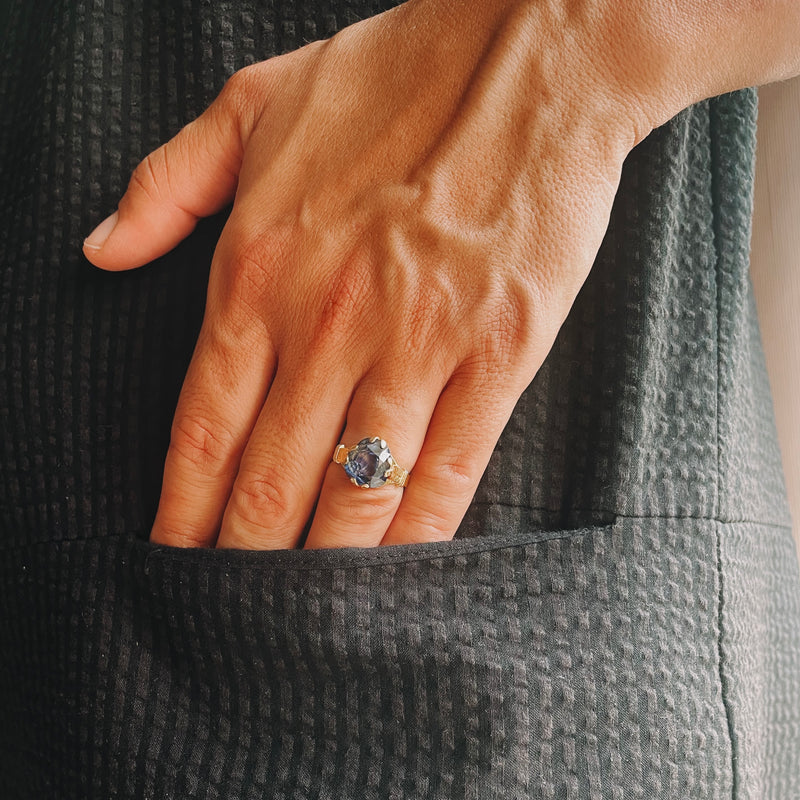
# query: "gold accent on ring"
{"type": "Point", "coordinates": [397, 476]}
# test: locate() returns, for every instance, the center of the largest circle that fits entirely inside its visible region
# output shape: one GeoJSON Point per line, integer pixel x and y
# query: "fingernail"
{"type": "Point", "coordinates": [97, 238]}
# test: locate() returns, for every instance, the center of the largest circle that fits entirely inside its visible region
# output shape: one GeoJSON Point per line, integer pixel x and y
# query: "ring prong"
{"type": "Point", "coordinates": [369, 464]}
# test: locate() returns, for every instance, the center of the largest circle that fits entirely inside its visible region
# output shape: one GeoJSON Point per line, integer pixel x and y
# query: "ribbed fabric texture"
{"type": "Point", "coordinates": [620, 615]}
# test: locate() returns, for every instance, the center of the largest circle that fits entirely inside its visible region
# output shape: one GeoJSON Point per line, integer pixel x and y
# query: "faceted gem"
{"type": "Point", "coordinates": [368, 462]}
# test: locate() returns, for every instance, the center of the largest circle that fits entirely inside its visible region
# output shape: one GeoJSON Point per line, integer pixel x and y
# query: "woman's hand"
{"type": "Point", "coordinates": [417, 202]}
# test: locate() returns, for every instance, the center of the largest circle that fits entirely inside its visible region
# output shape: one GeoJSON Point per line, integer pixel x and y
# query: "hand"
{"type": "Point", "coordinates": [417, 202]}
{"type": "Point", "coordinates": [415, 210]}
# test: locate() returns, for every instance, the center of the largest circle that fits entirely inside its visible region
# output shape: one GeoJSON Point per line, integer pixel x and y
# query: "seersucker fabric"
{"type": "Point", "coordinates": [619, 615]}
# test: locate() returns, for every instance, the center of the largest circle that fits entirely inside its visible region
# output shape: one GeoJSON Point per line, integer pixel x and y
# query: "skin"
{"type": "Point", "coordinates": [417, 202]}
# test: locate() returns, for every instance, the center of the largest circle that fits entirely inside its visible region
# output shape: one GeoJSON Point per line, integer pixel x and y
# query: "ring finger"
{"type": "Point", "coordinates": [349, 515]}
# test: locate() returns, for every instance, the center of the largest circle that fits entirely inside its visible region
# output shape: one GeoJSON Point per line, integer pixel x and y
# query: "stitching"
{"type": "Point", "coordinates": [713, 137]}
{"type": "Point", "coordinates": [725, 686]}
{"type": "Point", "coordinates": [616, 515]}
{"type": "Point", "coordinates": [446, 545]}
{"type": "Point", "coordinates": [355, 558]}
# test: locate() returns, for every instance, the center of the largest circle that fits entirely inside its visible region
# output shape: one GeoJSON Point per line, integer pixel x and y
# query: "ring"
{"type": "Point", "coordinates": [369, 464]}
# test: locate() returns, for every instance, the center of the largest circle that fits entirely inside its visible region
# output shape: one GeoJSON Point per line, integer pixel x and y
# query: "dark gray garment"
{"type": "Point", "coordinates": [620, 617]}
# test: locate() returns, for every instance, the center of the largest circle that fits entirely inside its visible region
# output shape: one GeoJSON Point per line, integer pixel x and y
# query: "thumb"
{"type": "Point", "coordinates": [193, 175]}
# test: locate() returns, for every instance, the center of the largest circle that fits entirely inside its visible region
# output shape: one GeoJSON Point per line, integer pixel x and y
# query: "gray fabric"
{"type": "Point", "coordinates": [620, 614]}
{"type": "Point", "coordinates": [759, 647]}
{"type": "Point", "coordinates": [563, 665]}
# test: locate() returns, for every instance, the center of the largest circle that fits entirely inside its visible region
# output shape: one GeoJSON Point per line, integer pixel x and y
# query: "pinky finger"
{"type": "Point", "coordinates": [463, 432]}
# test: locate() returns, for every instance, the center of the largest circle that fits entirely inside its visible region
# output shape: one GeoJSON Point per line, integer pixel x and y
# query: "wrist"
{"type": "Point", "coordinates": [667, 54]}
{"type": "Point", "coordinates": [559, 53]}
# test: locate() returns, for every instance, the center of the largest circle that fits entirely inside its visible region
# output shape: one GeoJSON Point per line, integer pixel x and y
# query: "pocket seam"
{"type": "Point", "coordinates": [356, 558]}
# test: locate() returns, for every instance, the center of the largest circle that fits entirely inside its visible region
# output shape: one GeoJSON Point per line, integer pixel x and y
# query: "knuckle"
{"type": "Point", "coordinates": [264, 500]}
{"type": "Point", "coordinates": [436, 515]}
{"type": "Point", "coordinates": [430, 314]}
{"type": "Point", "coordinates": [455, 477]}
{"type": "Point", "coordinates": [177, 534]}
{"type": "Point", "coordinates": [249, 287]}
{"type": "Point", "coordinates": [433, 523]}
{"type": "Point", "coordinates": [203, 444]}
{"type": "Point", "coordinates": [349, 289]}
{"type": "Point", "coordinates": [236, 538]}
{"type": "Point", "coordinates": [238, 89]}
{"type": "Point", "coordinates": [364, 508]}
{"type": "Point", "coordinates": [372, 401]}
{"type": "Point", "coordinates": [506, 326]}
{"type": "Point", "coordinates": [510, 328]}
{"type": "Point", "coordinates": [145, 177]}
{"type": "Point", "coordinates": [458, 478]}
{"type": "Point", "coordinates": [252, 271]}
{"type": "Point", "coordinates": [243, 97]}
{"type": "Point", "coordinates": [235, 342]}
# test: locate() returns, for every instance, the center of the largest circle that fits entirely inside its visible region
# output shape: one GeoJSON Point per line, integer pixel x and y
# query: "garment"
{"type": "Point", "coordinates": [620, 613]}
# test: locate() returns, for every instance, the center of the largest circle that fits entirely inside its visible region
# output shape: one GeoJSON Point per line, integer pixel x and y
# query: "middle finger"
{"type": "Point", "coordinates": [283, 464]}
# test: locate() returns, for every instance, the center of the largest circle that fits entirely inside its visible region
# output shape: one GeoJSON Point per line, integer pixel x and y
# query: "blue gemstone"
{"type": "Point", "coordinates": [368, 462]}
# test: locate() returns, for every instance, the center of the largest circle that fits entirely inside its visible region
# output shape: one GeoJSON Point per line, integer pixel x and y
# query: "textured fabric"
{"type": "Point", "coordinates": [620, 614]}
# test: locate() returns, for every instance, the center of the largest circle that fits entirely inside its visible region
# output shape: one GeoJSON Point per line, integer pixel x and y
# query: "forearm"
{"type": "Point", "coordinates": [658, 56]}
{"type": "Point", "coordinates": [672, 53]}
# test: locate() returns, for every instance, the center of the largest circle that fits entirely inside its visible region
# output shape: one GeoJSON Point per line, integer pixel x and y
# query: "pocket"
{"type": "Point", "coordinates": [159, 556]}
{"type": "Point", "coordinates": [563, 663]}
